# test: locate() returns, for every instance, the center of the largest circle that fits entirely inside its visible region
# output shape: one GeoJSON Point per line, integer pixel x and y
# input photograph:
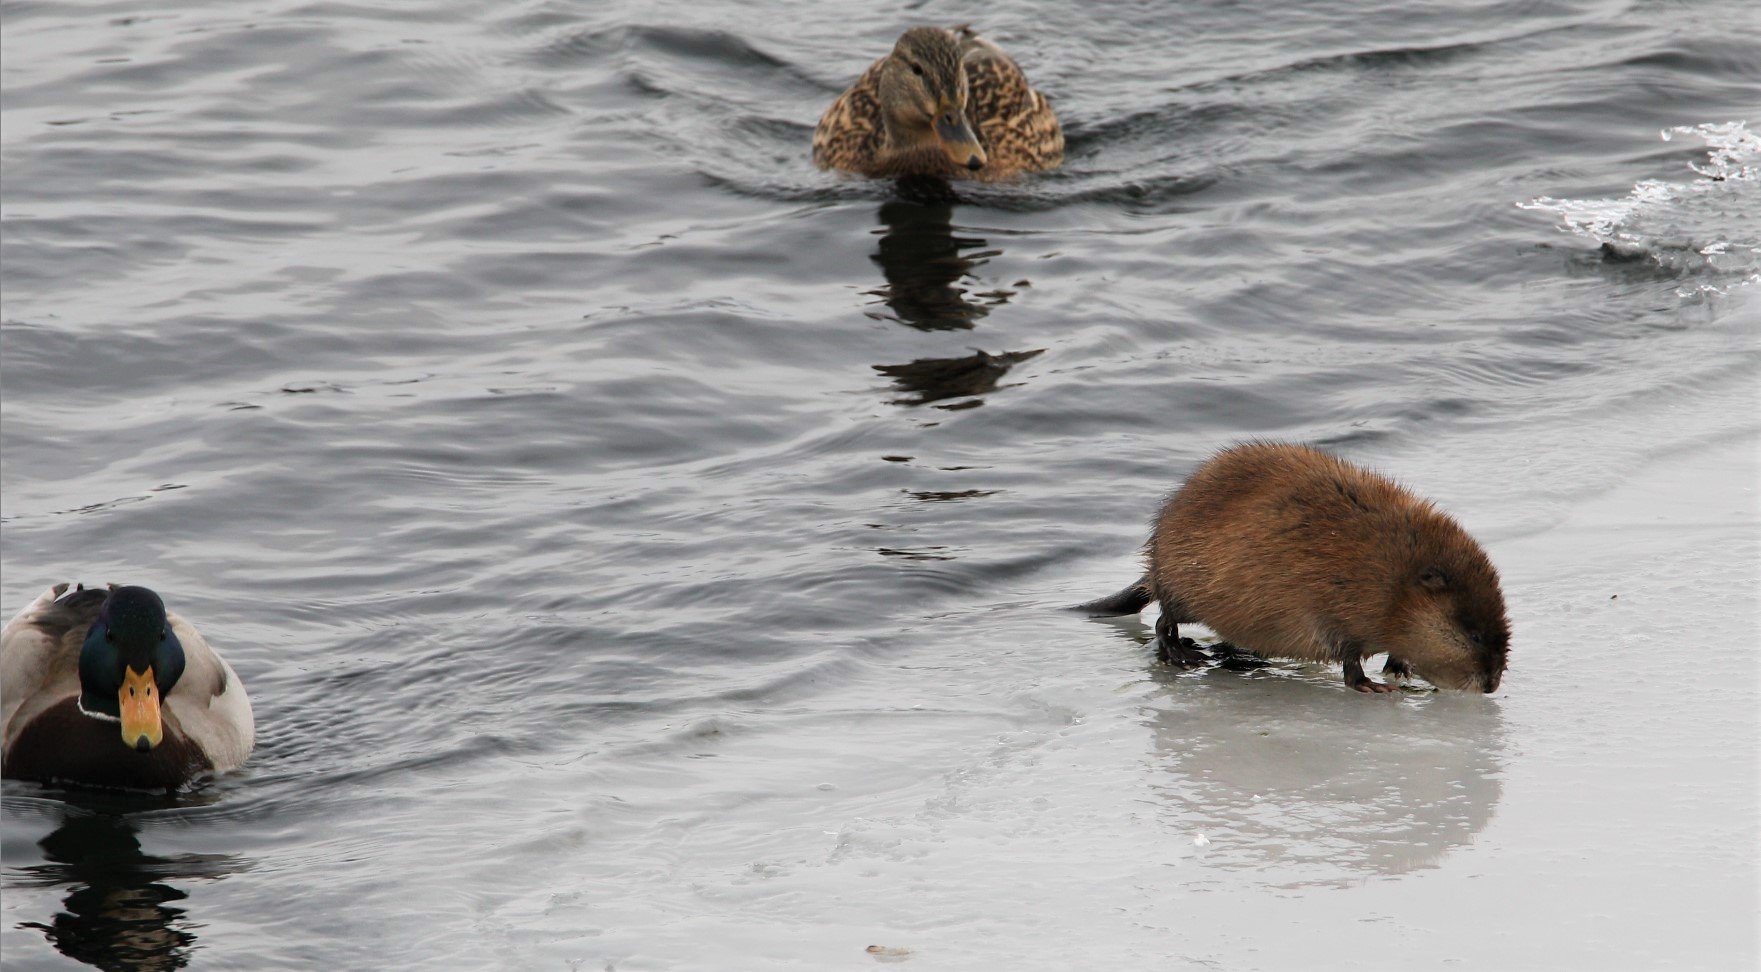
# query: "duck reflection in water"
{"type": "Point", "coordinates": [926, 267]}
{"type": "Point", "coordinates": [936, 379]}
{"type": "Point", "coordinates": [119, 913]}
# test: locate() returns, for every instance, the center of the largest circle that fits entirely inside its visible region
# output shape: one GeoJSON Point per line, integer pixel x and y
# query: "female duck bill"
{"type": "Point", "coordinates": [959, 142]}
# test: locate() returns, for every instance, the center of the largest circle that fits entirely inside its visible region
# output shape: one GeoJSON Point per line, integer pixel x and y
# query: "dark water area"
{"type": "Point", "coordinates": [644, 550]}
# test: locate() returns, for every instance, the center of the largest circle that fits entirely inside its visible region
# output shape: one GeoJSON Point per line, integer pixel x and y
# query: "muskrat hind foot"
{"type": "Point", "coordinates": [1185, 654]}
{"type": "Point", "coordinates": [1237, 659]}
{"type": "Point", "coordinates": [1171, 649]}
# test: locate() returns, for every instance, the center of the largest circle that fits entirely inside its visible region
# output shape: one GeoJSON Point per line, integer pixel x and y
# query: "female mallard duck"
{"type": "Point", "coordinates": [945, 103]}
{"type": "Point", "coordinates": [104, 687]}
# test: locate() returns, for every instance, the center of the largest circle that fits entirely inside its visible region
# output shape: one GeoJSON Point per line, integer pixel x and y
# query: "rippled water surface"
{"type": "Point", "coordinates": [647, 552]}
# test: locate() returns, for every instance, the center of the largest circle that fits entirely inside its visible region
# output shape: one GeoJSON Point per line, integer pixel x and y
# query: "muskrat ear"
{"type": "Point", "coordinates": [1433, 579]}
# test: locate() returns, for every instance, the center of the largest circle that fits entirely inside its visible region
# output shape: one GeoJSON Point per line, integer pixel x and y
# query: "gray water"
{"type": "Point", "coordinates": [647, 552]}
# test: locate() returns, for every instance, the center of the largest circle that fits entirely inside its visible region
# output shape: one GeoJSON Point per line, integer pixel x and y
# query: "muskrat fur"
{"type": "Point", "coordinates": [1294, 553]}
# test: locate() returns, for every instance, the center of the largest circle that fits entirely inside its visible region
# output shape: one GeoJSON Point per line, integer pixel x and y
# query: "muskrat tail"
{"type": "Point", "coordinates": [1128, 601]}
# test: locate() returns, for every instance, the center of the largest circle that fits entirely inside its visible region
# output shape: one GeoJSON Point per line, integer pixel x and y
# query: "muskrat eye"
{"type": "Point", "coordinates": [1478, 640]}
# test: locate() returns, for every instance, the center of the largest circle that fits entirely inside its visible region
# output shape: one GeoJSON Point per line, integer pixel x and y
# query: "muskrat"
{"type": "Point", "coordinates": [1294, 553]}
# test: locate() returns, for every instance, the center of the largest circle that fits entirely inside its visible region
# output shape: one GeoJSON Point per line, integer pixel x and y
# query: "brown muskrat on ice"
{"type": "Point", "coordinates": [1294, 553]}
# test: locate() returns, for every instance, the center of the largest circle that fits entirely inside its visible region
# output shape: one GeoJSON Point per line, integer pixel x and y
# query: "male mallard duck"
{"type": "Point", "coordinates": [944, 103]}
{"type": "Point", "coordinates": [104, 687]}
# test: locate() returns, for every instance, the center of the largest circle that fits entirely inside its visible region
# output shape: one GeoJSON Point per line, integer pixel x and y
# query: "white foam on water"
{"type": "Point", "coordinates": [1709, 226]}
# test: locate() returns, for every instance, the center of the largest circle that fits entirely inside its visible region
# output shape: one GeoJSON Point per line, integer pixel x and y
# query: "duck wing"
{"type": "Point", "coordinates": [850, 134]}
{"type": "Point", "coordinates": [208, 703]}
{"type": "Point", "coordinates": [1019, 128]}
{"type": "Point", "coordinates": [39, 651]}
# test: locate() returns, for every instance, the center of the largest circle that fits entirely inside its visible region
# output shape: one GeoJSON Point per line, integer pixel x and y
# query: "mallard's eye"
{"type": "Point", "coordinates": [917, 70]}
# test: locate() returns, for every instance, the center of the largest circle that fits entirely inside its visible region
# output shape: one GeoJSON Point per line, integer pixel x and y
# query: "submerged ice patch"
{"type": "Point", "coordinates": [1709, 227]}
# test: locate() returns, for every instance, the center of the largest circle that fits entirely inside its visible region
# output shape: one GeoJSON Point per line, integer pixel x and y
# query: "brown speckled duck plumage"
{"type": "Point", "coordinates": [920, 110]}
